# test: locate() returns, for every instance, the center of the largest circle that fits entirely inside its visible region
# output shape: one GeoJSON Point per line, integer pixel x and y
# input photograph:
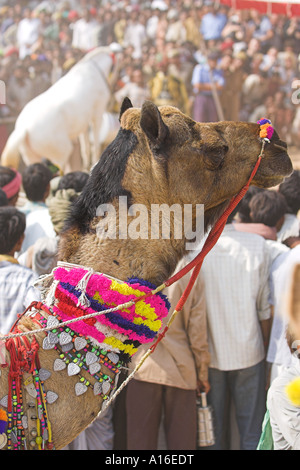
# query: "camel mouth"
{"type": "Point", "coordinates": [282, 146]}
{"type": "Point", "coordinates": [268, 182]}
{"type": "Point", "coordinates": [276, 165]}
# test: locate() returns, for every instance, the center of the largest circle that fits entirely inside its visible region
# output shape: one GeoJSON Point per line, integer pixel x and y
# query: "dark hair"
{"type": "Point", "coordinates": [290, 189]}
{"type": "Point", "coordinates": [36, 178]}
{"type": "Point", "coordinates": [267, 207]}
{"type": "Point", "coordinates": [6, 176]}
{"type": "Point", "coordinates": [232, 215]}
{"type": "Point", "coordinates": [3, 198]}
{"type": "Point", "coordinates": [243, 208]}
{"type": "Point", "coordinates": [12, 227]}
{"type": "Point", "coordinates": [74, 180]}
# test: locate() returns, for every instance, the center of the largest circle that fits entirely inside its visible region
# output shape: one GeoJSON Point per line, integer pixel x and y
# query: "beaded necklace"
{"type": "Point", "coordinates": [76, 352]}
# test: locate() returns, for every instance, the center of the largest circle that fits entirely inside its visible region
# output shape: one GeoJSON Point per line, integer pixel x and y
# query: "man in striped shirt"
{"type": "Point", "coordinates": [236, 278]}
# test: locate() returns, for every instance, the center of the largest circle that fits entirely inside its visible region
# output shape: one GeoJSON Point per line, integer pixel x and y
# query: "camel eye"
{"type": "Point", "coordinates": [225, 148]}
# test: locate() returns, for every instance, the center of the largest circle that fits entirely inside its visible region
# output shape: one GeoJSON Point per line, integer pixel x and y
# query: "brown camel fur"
{"type": "Point", "coordinates": [159, 156]}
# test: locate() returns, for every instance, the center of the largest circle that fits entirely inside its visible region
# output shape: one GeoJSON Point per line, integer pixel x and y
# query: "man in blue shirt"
{"type": "Point", "coordinates": [212, 23]}
{"type": "Point", "coordinates": [206, 77]}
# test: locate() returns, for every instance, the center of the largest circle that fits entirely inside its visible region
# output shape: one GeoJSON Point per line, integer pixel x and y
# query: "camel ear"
{"type": "Point", "coordinates": [124, 106]}
{"type": "Point", "coordinates": [214, 155]}
{"type": "Point", "coordinates": [152, 124]}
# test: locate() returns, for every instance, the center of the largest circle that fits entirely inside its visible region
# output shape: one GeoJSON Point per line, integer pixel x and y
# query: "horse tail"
{"type": "Point", "coordinates": [11, 153]}
{"type": "Point", "coordinates": [17, 146]}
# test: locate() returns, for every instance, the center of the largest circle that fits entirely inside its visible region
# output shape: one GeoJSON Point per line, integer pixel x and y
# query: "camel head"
{"type": "Point", "coordinates": [162, 156]}
{"type": "Point", "coordinates": [187, 162]}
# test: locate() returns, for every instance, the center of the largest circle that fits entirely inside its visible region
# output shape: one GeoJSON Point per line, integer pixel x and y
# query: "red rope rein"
{"type": "Point", "coordinates": [210, 242]}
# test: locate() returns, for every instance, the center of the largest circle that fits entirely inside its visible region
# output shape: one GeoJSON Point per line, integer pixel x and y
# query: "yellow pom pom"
{"type": "Point", "coordinates": [293, 391]}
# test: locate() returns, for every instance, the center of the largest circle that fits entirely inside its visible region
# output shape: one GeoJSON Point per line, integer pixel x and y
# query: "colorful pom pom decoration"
{"type": "Point", "coordinates": [266, 129]}
{"type": "Point", "coordinates": [293, 391]}
{"type": "Point", "coordinates": [124, 329]}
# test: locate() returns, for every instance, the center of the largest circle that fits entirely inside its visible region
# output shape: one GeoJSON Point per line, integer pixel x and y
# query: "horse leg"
{"type": "Point", "coordinates": [84, 143]}
{"type": "Point", "coordinates": [75, 162]}
{"type": "Point", "coordinates": [96, 140]}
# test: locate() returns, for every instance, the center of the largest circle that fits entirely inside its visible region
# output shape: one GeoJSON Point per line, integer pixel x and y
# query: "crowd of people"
{"type": "Point", "coordinates": [211, 61]}
{"type": "Point", "coordinates": [230, 340]}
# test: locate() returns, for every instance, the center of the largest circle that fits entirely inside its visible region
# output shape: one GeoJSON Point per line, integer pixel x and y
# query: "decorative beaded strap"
{"type": "Point", "coordinates": [24, 359]}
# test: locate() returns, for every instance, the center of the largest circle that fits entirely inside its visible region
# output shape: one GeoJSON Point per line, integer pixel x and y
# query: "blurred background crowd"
{"type": "Point", "coordinates": [163, 47]}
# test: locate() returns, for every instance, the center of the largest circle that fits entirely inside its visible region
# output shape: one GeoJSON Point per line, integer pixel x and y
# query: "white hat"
{"type": "Point", "coordinates": [159, 5]}
{"type": "Point", "coordinates": [115, 47]}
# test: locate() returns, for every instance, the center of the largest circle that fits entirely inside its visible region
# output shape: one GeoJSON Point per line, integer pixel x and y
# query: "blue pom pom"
{"type": "Point", "coordinates": [264, 121]}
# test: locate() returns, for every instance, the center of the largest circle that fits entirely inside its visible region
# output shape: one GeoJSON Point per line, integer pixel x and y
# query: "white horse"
{"type": "Point", "coordinates": [48, 126]}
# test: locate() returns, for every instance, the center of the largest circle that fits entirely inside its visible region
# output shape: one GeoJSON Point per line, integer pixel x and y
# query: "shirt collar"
{"type": "Point", "coordinates": [9, 259]}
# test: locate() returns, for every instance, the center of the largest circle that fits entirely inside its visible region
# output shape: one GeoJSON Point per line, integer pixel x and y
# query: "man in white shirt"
{"type": "Point", "coordinates": [36, 183]}
{"type": "Point", "coordinates": [236, 273]}
{"type": "Point", "coordinates": [284, 415]}
{"type": "Point", "coordinates": [27, 33]}
{"type": "Point", "coordinates": [84, 37]}
{"type": "Point", "coordinates": [136, 89]}
{"type": "Point", "coordinates": [135, 35]}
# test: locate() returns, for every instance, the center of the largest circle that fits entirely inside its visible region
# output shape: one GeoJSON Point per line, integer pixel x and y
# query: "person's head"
{"type": "Point", "coordinates": [290, 189]}
{"type": "Point", "coordinates": [212, 59]}
{"type": "Point", "coordinates": [137, 76]}
{"type": "Point", "coordinates": [74, 180]}
{"type": "Point", "coordinates": [86, 14]}
{"type": "Point", "coordinates": [12, 228]}
{"type": "Point", "coordinates": [268, 208]}
{"type": "Point", "coordinates": [20, 72]}
{"type": "Point", "coordinates": [36, 182]}
{"type": "Point", "coordinates": [243, 206]}
{"type": "Point", "coordinates": [27, 12]}
{"type": "Point", "coordinates": [10, 183]}
{"type": "Point", "coordinates": [232, 215]}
